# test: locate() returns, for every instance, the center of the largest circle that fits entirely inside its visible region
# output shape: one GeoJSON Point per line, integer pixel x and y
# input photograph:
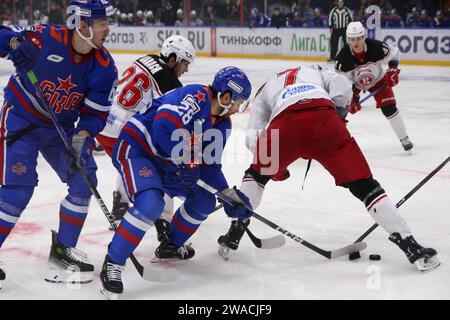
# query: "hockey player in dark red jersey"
{"type": "Point", "coordinates": [77, 76]}
{"type": "Point", "coordinates": [308, 96]}
{"type": "Point", "coordinates": [361, 60]}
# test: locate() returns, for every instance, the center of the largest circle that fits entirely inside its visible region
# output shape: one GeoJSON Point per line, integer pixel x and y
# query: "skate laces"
{"type": "Point", "coordinates": [77, 255]}
{"type": "Point", "coordinates": [114, 271]}
{"type": "Point", "coordinates": [183, 250]}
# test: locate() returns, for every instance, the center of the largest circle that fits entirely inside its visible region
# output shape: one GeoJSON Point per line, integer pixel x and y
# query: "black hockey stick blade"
{"type": "Point", "coordinates": [268, 243]}
{"type": "Point", "coordinates": [354, 247]}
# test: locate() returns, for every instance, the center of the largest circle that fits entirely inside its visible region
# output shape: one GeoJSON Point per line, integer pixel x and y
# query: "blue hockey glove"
{"type": "Point", "coordinates": [239, 208]}
{"type": "Point", "coordinates": [82, 146]}
{"type": "Point", "coordinates": [25, 51]}
{"type": "Point", "coordinates": [184, 174]}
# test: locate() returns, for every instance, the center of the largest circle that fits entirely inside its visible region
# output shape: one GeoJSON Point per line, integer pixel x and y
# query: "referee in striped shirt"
{"type": "Point", "coordinates": [338, 21]}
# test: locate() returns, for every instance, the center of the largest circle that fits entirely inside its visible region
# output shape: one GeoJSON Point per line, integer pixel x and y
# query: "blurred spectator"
{"type": "Point", "coordinates": [393, 20]}
{"type": "Point", "coordinates": [413, 18]}
{"type": "Point", "coordinates": [195, 20]}
{"type": "Point", "coordinates": [55, 15]}
{"type": "Point", "coordinates": [168, 14]}
{"type": "Point", "coordinates": [294, 19]}
{"type": "Point", "coordinates": [209, 18]}
{"type": "Point", "coordinates": [130, 19]}
{"type": "Point", "coordinates": [139, 20]}
{"type": "Point", "coordinates": [277, 20]}
{"type": "Point", "coordinates": [319, 19]}
{"type": "Point", "coordinates": [425, 21]}
{"type": "Point", "coordinates": [441, 21]}
{"type": "Point", "coordinates": [258, 19]}
{"type": "Point", "coordinates": [180, 22]}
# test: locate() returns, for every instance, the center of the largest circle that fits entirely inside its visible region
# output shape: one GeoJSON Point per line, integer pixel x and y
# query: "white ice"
{"type": "Point", "coordinates": [326, 215]}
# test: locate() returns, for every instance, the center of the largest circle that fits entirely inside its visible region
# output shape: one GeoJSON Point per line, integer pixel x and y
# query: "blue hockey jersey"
{"type": "Point", "coordinates": [189, 109]}
{"type": "Point", "coordinates": [77, 87]}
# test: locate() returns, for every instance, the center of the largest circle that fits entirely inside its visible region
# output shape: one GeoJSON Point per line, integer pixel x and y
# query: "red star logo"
{"type": "Point", "coordinates": [66, 84]}
{"type": "Point", "coordinates": [200, 96]}
{"type": "Point", "coordinates": [39, 28]}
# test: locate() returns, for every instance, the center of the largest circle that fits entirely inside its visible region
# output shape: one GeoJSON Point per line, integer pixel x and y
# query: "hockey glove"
{"type": "Point", "coordinates": [184, 174]}
{"type": "Point", "coordinates": [82, 146]}
{"type": "Point", "coordinates": [391, 78]}
{"type": "Point", "coordinates": [354, 104]}
{"type": "Point", "coordinates": [239, 208]}
{"type": "Point", "coordinates": [25, 51]}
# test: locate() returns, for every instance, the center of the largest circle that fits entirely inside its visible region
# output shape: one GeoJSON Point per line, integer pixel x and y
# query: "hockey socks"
{"type": "Point", "coordinates": [72, 214]}
{"type": "Point", "coordinates": [384, 212]}
{"type": "Point", "coordinates": [397, 124]}
{"type": "Point", "coordinates": [184, 223]}
{"type": "Point", "coordinates": [148, 206]}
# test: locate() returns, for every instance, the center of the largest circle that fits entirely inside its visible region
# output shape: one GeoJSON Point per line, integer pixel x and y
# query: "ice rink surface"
{"type": "Point", "coordinates": [323, 214]}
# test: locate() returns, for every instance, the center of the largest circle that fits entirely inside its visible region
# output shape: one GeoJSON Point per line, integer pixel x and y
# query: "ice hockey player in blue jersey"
{"type": "Point", "coordinates": [77, 76]}
{"type": "Point", "coordinates": [177, 140]}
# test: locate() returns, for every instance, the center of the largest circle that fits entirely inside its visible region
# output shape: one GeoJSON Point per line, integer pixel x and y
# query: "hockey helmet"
{"type": "Point", "coordinates": [180, 46]}
{"type": "Point", "coordinates": [355, 29]}
{"type": "Point", "coordinates": [88, 11]}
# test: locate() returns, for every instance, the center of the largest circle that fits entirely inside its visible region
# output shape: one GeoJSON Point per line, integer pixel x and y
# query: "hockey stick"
{"type": "Point", "coordinates": [267, 243]}
{"type": "Point", "coordinates": [370, 95]}
{"type": "Point", "coordinates": [160, 275]}
{"type": "Point", "coordinates": [327, 254]}
{"type": "Point", "coordinates": [403, 200]}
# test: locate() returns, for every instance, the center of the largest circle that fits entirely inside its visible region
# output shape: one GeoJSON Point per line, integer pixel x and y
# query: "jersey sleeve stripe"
{"type": "Point", "coordinates": [26, 105]}
{"type": "Point", "coordinates": [96, 106]}
{"type": "Point", "coordinates": [102, 115]}
{"type": "Point", "coordinates": [170, 117]}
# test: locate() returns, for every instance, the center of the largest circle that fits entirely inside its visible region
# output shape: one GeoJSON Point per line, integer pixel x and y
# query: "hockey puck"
{"type": "Point", "coordinates": [375, 257]}
{"type": "Point", "coordinates": [354, 255]}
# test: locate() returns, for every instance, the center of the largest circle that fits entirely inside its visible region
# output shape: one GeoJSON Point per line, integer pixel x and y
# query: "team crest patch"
{"type": "Point", "coordinates": [145, 172]}
{"type": "Point", "coordinates": [19, 168]}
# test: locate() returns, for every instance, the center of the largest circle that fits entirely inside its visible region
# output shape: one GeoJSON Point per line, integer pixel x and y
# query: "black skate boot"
{"type": "Point", "coordinates": [98, 149]}
{"type": "Point", "coordinates": [68, 265]}
{"type": "Point", "coordinates": [2, 275]}
{"type": "Point", "coordinates": [168, 251]}
{"type": "Point", "coordinates": [424, 258]}
{"type": "Point", "coordinates": [406, 143]}
{"type": "Point", "coordinates": [119, 208]}
{"type": "Point", "coordinates": [162, 228]}
{"type": "Point", "coordinates": [111, 278]}
{"type": "Point", "coordinates": [232, 238]}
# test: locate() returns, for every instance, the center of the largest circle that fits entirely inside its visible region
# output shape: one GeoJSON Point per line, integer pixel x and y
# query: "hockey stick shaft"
{"type": "Point", "coordinates": [326, 254]}
{"type": "Point", "coordinates": [407, 196]}
{"type": "Point", "coordinates": [370, 95]}
{"type": "Point", "coordinates": [34, 81]}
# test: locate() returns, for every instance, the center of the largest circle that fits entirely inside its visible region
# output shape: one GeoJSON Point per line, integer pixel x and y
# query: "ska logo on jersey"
{"type": "Point", "coordinates": [200, 96]}
{"type": "Point", "coordinates": [60, 96]}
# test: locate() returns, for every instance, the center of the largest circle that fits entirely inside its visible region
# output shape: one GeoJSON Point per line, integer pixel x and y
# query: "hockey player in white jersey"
{"type": "Point", "coordinates": [294, 116]}
{"type": "Point", "coordinates": [362, 60]}
{"type": "Point", "coordinates": [146, 78]}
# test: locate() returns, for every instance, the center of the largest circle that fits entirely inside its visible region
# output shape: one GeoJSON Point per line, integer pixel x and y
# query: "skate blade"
{"type": "Point", "coordinates": [109, 295]}
{"type": "Point", "coordinates": [224, 252]}
{"type": "Point", "coordinates": [56, 274]}
{"type": "Point", "coordinates": [427, 264]}
{"type": "Point", "coordinates": [155, 259]}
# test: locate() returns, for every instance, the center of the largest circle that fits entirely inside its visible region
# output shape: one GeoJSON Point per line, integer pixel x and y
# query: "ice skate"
{"type": "Point", "coordinates": [407, 144]}
{"type": "Point", "coordinates": [169, 252]}
{"type": "Point", "coordinates": [232, 238]}
{"type": "Point", "coordinates": [68, 265]}
{"type": "Point", "coordinates": [162, 228]}
{"type": "Point", "coordinates": [119, 208]}
{"type": "Point", "coordinates": [111, 279]}
{"type": "Point", "coordinates": [425, 259]}
{"type": "Point", "coordinates": [2, 275]}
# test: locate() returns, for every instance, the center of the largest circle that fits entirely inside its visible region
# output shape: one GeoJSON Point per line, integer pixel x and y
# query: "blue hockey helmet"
{"type": "Point", "coordinates": [235, 81]}
{"type": "Point", "coordinates": [89, 10]}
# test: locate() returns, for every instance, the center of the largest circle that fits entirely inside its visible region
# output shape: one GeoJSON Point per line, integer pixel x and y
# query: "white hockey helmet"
{"type": "Point", "coordinates": [355, 29]}
{"type": "Point", "coordinates": [180, 46]}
